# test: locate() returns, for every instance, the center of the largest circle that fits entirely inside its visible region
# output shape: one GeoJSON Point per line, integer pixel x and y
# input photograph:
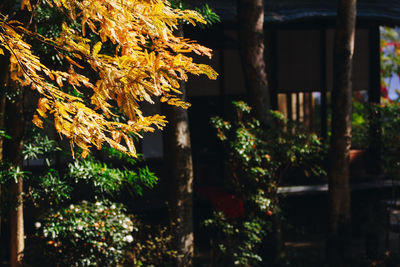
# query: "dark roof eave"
{"type": "Point", "coordinates": [386, 21]}
{"type": "Point", "coordinates": [288, 11]}
{"type": "Point", "coordinates": [289, 18]}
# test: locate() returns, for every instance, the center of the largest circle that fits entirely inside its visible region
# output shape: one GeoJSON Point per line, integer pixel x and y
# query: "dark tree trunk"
{"type": "Point", "coordinates": [12, 153]}
{"type": "Point", "coordinates": [3, 77]}
{"type": "Point", "coordinates": [14, 123]}
{"type": "Point", "coordinates": [252, 47]}
{"type": "Point", "coordinates": [339, 235]}
{"type": "Point", "coordinates": [251, 36]}
{"type": "Point", "coordinates": [2, 109]}
{"type": "Point", "coordinates": [178, 159]}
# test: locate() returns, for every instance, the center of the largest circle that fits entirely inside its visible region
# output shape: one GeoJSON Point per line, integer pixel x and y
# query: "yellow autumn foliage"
{"type": "Point", "coordinates": [148, 63]}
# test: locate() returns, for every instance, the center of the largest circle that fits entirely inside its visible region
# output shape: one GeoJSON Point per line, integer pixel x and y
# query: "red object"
{"type": "Point", "coordinates": [384, 92]}
{"type": "Point", "coordinates": [229, 204]}
{"type": "Point", "coordinates": [358, 96]}
{"type": "Point", "coordinates": [392, 44]}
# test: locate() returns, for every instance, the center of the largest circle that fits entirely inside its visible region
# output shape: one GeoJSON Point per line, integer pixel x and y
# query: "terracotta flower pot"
{"type": "Point", "coordinates": [358, 162]}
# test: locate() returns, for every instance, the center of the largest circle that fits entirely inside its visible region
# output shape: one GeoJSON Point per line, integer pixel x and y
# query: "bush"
{"type": "Point", "coordinates": [385, 120]}
{"type": "Point", "coordinates": [359, 124]}
{"type": "Point", "coordinates": [389, 115]}
{"type": "Point", "coordinates": [258, 160]}
{"type": "Point", "coordinates": [86, 234]}
{"type": "Point", "coordinates": [94, 233]}
{"type": "Point", "coordinates": [153, 247]}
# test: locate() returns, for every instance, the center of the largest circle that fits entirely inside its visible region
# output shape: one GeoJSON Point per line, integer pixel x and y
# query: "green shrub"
{"type": "Point", "coordinates": [258, 159]}
{"type": "Point", "coordinates": [385, 119]}
{"type": "Point", "coordinates": [85, 234]}
{"type": "Point", "coordinates": [153, 247]}
{"type": "Point", "coordinates": [359, 124]}
{"type": "Point", "coordinates": [389, 115]}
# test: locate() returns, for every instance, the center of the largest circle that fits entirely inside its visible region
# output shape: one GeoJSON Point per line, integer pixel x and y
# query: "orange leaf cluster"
{"type": "Point", "coordinates": [149, 61]}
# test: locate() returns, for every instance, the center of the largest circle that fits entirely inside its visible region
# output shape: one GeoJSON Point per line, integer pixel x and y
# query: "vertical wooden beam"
{"type": "Point", "coordinates": [272, 67]}
{"type": "Point", "coordinates": [294, 106]}
{"type": "Point", "coordinates": [374, 93]}
{"type": "Point", "coordinates": [298, 105]}
{"type": "Point", "coordinates": [282, 104]}
{"type": "Point", "coordinates": [301, 107]}
{"type": "Point", "coordinates": [374, 97]}
{"type": "Point", "coordinates": [324, 105]}
{"type": "Point", "coordinates": [312, 115]}
{"type": "Point", "coordinates": [289, 106]}
{"type": "Point", "coordinates": [307, 110]}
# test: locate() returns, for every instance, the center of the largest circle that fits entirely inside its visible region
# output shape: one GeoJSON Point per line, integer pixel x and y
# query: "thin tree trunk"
{"type": "Point", "coordinates": [3, 77]}
{"type": "Point", "coordinates": [14, 123]}
{"type": "Point", "coordinates": [12, 152]}
{"type": "Point", "coordinates": [178, 157]}
{"type": "Point", "coordinates": [251, 37]}
{"type": "Point", "coordinates": [17, 241]}
{"type": "Point", "coordinates": [2, 110]}
{"type": "Point", "coordinates": [339, 235]}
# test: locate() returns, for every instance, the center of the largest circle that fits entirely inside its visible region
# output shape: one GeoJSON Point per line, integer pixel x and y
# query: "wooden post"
{"type": "Point", "coordinates": [324, 105]}
{"type": "Point", "coordinates": [374, 97]}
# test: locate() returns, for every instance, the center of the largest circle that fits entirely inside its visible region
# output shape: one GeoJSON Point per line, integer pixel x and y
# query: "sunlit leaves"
{"type": "Point", "coordinates": [148, 63]}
